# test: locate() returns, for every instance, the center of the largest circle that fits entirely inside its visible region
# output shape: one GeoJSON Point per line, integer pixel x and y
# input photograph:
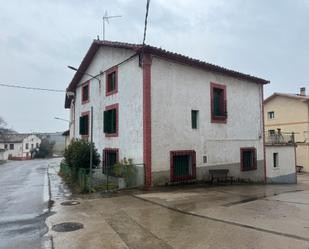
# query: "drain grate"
{"type": "Point", "coordinates": [70, 203]}
{"type": "Point", "coordinates": [67, 227]}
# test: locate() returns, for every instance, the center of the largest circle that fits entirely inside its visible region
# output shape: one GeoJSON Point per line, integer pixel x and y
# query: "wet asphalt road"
{"type": "Point", "coordinates": [24, 199]}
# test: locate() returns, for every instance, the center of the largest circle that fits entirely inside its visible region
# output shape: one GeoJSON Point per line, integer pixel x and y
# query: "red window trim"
{"type": "Point", "coordinates": [108, 72]}
{"type": "Point", "coordinates": [105, 150]}
{"type": "Point", "coordinates": [82, 86]}
{"type": "Point", "coordinates": [85, 114]}
{"type": "Point", "coordinates": [191, 153]}
{"type": "Point", "coordinates": [217, 119]}
{"type": "Point", "coordinates": [110, 107]}
{"type": "Point", "coordinates": [242, 161]}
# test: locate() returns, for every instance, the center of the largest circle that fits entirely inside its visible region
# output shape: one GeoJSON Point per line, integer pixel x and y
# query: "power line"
{"type": "Point", "coordinates": [32, 88]}
{"type": "Point", "coordinates": [146, 17]}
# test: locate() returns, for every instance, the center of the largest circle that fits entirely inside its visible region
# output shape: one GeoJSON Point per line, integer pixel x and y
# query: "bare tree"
{"type": "Point", "coordinates": [3, 123]}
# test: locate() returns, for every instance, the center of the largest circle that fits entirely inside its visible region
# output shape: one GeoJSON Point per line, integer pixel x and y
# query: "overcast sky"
{"type": "Point", "coordinates": [39, 38]}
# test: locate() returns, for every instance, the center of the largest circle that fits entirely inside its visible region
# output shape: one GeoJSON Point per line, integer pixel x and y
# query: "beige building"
{"type": "Point", "coordinates": [286, 119]}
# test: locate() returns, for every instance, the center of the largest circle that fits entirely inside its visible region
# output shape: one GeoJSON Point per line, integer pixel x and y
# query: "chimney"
{"type": "Point", "coordinates": [303, 91]}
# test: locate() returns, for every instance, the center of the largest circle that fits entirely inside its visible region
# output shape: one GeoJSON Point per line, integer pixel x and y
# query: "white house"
{"type": "Point", "coordinates": [19, 146]}
{"type": "Point", "coordinates": [176, 115]}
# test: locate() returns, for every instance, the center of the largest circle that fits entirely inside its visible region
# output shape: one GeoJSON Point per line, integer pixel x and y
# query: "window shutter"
{"type": "Point", "coordinates": [105, 114]}
{"type": "Point", "coordinates": [113, 121]}
{"type": "Point", "coordinates": [81, 125]}
{"type": "Point", "coordinates": [86, 124]}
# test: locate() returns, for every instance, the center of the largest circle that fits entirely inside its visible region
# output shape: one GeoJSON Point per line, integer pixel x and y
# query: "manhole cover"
{"type": "Point", "coordinates": [67, 227]}
{"type": "Point", "coordinates": [70, 203]}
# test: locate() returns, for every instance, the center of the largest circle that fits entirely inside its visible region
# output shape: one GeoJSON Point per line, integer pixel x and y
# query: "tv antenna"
{"type": "Point", "coordinates": [106, 18]}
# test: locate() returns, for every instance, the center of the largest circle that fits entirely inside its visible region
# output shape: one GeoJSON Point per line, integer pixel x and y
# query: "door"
{"type": "Point", "coordinates": [183, 165]}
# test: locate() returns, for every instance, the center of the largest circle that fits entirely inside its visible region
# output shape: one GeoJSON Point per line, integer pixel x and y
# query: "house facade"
{"type": "Point", "coordinates": [177, 116]}
{"type": "Point", "coordinates": [287, 118]}
{"type": "Point", "coordinates": [19, 146]}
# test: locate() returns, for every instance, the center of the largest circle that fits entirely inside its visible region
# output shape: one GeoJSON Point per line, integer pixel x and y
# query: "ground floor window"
{"type": "Point", "coordinates": [275, 160]}
{"type": "Point", "coordinates": [248, 159]}
{"type": "Point", "coordinates": [110, 158]}
{"type": "Point", "coordinates": [6, 146]}
{"type": "Point", "coordinates": [11, 146]}
{"type": "Point", "coordinates": [183, 165]}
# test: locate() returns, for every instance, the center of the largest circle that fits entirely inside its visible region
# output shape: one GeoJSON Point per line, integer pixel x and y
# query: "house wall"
{"type": "Point", "coordinates": [285, 172]}
{"type": "Point", "coordinates": [291, 115]}
{"type": "Point", "coordinates": [176, 90]}
{"type": "Point", "coordinates": [17, 151]}
{"type": "Point", "coordinates": [129, 99]}
{"type": "Point", "coordinates": [3, 155]}
{"type": "Point", "coordinates": [31, 139]}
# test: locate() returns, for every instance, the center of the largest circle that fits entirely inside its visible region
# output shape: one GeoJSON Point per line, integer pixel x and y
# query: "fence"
{"type": "Point", "coordinates": [76, 176]}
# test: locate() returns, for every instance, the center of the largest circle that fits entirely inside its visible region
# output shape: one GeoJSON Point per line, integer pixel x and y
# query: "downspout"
{"type": "Point", "coordinates": [263, 135]}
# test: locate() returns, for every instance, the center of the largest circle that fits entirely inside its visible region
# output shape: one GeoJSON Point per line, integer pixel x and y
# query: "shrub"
{"type": "Point", "coordinates": [45, 149]}
{"type": "Point", "coordinates": [77, 155]}
{"type": "Point", "coordinates": [124, 168]}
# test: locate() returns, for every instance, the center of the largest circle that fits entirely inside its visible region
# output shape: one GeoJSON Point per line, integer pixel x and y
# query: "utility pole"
{"type": "Point", "coordinates": [91, 148]}
{"type": "Point", "coordinates": [106, 18]}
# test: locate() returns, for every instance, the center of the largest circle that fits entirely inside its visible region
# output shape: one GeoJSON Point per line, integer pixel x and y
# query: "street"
{"type": "Point", "coordinates": [24, 203]}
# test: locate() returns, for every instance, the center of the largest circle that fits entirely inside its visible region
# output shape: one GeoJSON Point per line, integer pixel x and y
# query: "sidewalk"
{"type": "Point", "coordinates": [237, 217]}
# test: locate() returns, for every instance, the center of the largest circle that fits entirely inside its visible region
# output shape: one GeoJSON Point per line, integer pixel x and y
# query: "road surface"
{"type": "Point", "coordinates": [24, 203]}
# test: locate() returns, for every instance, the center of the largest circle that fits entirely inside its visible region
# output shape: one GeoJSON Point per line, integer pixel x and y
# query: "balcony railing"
{"type": "Point", "coordinates": [279, 138]}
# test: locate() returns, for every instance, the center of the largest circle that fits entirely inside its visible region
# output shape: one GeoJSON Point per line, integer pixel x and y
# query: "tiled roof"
{"type": "Point", "coordinates": [12, 138]}
{"type": "Point", "coordinates": [157, 52]}
{"type": "Point", "coordinates": [288, 95]}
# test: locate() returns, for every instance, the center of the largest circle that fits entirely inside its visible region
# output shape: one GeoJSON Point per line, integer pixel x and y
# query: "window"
{"type": "Point", "coordinates": [194, 119]}
{"type": "Point", "coordinates": [110, 158]}
{"type": "Point", "coordinates": [248, 159]}
{"type": "Point", "coordinates": [32, 146]}
{"type": "Point", "coordinates": [111, 121]}
{"type": "Point", "coordinates": [275, 159]}
{"type": "Point", "coordinates": [11, 146]}
{"type": "Point", "coordinates": [6, 146]}
{"type": "Point", "coordinates": [183, 165]}
{"type": "Point", "coordinates": [218, 103]}
{"type": "Point", "coordinates": [85, 93]}
{"type": "Point", "coordinates": [27, 146]}
{"type": "Point", "coordinates": [271, 115]}
{"type": "Point", "coordinates": [112, 81]}
{"type": "Point", "coordinates": [84, 124]}
{"type": "Point", "coordinates": [271, 132]}
{"type": "Point", "coordinates": [37, 145]}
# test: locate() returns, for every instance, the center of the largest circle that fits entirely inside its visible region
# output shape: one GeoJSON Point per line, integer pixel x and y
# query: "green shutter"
{"type": "Point", "coordinates": [81, 126]}
{"type": "Point", "coordinates": [106, 118]}
{"type": "Point", "coordinates": [86, 124]}
{"type": "Point", "coordinates": [194, 115]}
{"type": "Point", "coordinates": [113, 120]}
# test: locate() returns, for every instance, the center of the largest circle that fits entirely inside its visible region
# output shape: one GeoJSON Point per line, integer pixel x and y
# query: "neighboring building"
{"type": "Point", "coordinates": [177, 115]}
{"type": "Point", "coordinates": [3, 155]}
{"type": "Point", "coordinates": [19, 146]}
{"type": "Point", "coordinates": [67, 140]}
{"type": "Point", "coordinates": [287, 119]}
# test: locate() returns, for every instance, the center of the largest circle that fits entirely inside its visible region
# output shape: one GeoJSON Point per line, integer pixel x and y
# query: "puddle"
{"type": "Point", "coordinates": [70, 203]}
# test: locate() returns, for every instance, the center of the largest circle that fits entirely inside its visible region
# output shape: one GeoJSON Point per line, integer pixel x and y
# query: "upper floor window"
{"type": "Point", "coordinates": [85, 92]}
{"type": "Point", "coordinates": [218, 103]}
{"type": "Point", "coordinates": [271, 115]}
{"type": "Point", "coordinates": [112, 81]}
{"type": "Point", "coordinates": [111, 121]}
{"type": "Point", "coordinates": [84, 124]}
{"type": "Point", "coordinates": [248, 159]}
{"type": "Point", "coordinates": [194, 119]}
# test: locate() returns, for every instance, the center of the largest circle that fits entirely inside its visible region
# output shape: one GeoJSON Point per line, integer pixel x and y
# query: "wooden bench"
{"type": "Point", "coordinates": [299, 168]}
{"type": "Point", "coordinates": [220, 174]}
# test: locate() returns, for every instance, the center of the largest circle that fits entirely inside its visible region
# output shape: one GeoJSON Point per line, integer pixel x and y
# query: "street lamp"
{"type": "Point", "coordinates": [92, 76]}
{"type": "Point", "coordinates": [62, 119]}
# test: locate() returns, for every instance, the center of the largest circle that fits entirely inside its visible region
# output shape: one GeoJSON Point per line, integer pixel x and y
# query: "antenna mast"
{"type": "Point", "coordinates": [106, 18]}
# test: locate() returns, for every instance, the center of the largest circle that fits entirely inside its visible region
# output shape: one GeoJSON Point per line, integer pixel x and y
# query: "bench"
{"type": "Point", "coordinates": [299, 168]}
{"type": "Point", "coordinates": [220, 174]}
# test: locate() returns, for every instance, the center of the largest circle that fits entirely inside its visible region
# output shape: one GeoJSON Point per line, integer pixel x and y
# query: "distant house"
{"type": "Point", "coordinates": [56, 139]}
{"type": "Point", "coordinates": [19, 146]}
{"type": "Point", "coordinates": [66, 136]}
{"type": "Point", "coordinates": [287, 121]}
{"type": "Point", "coordinates": [177, 116]}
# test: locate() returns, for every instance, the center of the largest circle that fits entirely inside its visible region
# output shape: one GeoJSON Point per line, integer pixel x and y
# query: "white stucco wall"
{"type": "Point", "coordinates": [176, 90]}
{"type": "Point", "coordinates": [129, 98]}
{"type": "Point", "coordinates": [285, 172]}
{"type": "Point", "coordinates": [17, 151]}
{"type": "Point", "coordinates": [31, 140]}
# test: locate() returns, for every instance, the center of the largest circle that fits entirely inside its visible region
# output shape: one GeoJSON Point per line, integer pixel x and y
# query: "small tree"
{"type": "Point", "coordinates": [45, 149]}
{"type": "Point", "coordinates": [77, 154]}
